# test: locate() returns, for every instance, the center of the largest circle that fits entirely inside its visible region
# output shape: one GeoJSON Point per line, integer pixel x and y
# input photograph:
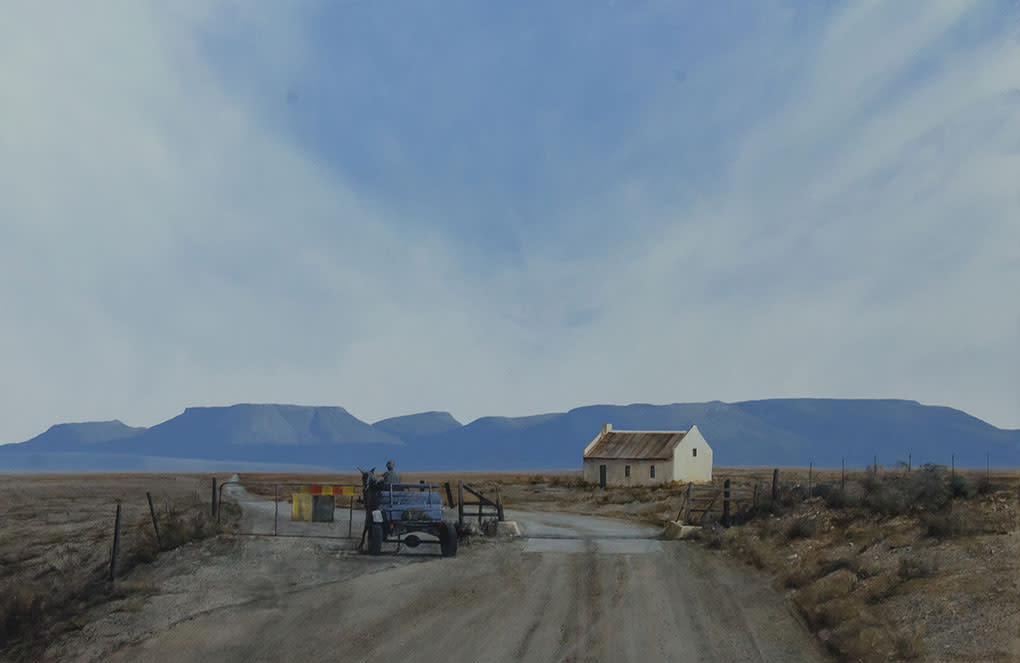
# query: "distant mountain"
{"type": "Point", "coordinates": [415, 426]}
{"type": "Point", "coordinates": [774, 432]}
{"type": "Point", "coordinates": [72, 437]}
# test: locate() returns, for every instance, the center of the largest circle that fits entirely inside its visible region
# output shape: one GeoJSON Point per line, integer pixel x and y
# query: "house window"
{"type": "Point", "coordinates": [626, 470]}
{"type": "Point", "coordinates": [694, 452]}
{"type": "Point", "coordinates": [652, 469]}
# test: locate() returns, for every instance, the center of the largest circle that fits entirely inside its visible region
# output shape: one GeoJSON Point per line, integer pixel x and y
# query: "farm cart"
{"type": "Point", "coordinates": [398, 512]}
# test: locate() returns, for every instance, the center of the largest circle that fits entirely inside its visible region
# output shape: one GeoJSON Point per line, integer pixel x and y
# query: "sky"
{"type": "Point", "coordinates": [505, 208]}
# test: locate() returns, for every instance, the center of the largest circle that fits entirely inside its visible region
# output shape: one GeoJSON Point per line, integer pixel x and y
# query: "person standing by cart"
{"type": "Point", "coordinates": [390, 475]}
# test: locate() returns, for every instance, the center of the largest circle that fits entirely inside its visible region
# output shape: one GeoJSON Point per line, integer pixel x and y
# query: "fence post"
{"type": "Point", "coordinates": [116, 545]}
{"type": "Point", "coordinates": [810, 469]}
{"type": "Point", "coordinates": [460, 503]}
{"type": "Point", "coordinates": [775, 484]}
{"type": "Point", "coordinates": [155, 525]}
{"type": "Point", "coordinates": [449, 495]}
{"type": "Point", "coordinates": [842, 478]}
{"type": "Point", "coordinates": [499, 505]}
{"type": "Point", "coordinates": [350, 517]}
{"type": "Point", "coordinates": [954, 467]}
{"type": "Point", "coordinates": [909, 461]}
{"type": "Point", "coordinates": [726, 504]}
{"type": "Point", "coordinates": [276, 506]}
{"type": "Point", "coordinates": [687, 502]}
{"type": "Point", "coordinates": [214, 496]}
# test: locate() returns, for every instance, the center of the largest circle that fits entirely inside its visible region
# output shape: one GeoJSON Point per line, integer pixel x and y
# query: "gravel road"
{"type": "Point", "coordinates": [573, 588]}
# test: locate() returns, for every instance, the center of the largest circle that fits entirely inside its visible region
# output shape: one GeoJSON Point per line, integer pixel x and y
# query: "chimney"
{"type": "Point", "coordinates": [606, 428]}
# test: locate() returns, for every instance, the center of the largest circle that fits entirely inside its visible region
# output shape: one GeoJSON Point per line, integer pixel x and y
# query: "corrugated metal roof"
{"type": "Point", "coordinates": [636, 444]}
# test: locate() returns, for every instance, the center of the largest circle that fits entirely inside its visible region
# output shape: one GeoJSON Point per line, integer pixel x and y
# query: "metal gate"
{"type": "Point", "coordinates": [280, 508]}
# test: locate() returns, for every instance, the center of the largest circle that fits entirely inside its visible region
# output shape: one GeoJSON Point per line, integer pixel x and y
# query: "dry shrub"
{"type": "Point", "coordinates": [854, 640]}
{"type": "Point", "coordinates": [927, 489]}
{"type": "Point", "coordinates": [879, 587]}
{"type": "Point", "coordinates": [810, 598]}
{"type": "Point", "coordinates": [712, 535]}
{"type": "Point", "coordinates": [951, 525]}
{"type": "Point", "coordinates": [910, 644]}
{"type": "Point", "coordinates": [837, 498]}
{"type": "Point", "coordinates": [837, 564]}
{"type": "Point", "coordinates": [191, 520]}
{"type": "Point", "coordinates": [917, 566]}
{"type": "Point", "coordinates": [755, 558]}
{"type": "Point", "coordinates": [797, 579]}
{"type": "Point", "coordinates": [835, 612]}
{"type": "Point", "coordinates": [960, 487]}
{"type": "Point", "coordinates": [570, 481]}
{"type": "Point", "coordinates": [802, 528]}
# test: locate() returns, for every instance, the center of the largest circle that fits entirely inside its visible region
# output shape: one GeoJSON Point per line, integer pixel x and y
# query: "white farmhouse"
{"type": "Point", "coordinates": [638, 457]}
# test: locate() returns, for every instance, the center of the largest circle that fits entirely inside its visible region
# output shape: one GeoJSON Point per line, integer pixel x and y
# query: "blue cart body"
{"type": "Point", "coordinates": [398, 511]}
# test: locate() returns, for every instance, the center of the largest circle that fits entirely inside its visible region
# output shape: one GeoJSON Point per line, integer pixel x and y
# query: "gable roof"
{"type": "Point", "coordinates": [635, 444]}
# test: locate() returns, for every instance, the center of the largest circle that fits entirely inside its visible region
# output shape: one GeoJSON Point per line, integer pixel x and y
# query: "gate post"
{"type": "Point", "coordinates": [726, 504]}
{"type": "Point", "coordinates": [116, 545]}
{"type": "Point", "coordinates": [687, 503]}
{"type": "Point", "coordinates": [155, 525]}
{"type": "Point", "coordinates": [214, 497]}
{"type": "Point", "coordinates": [775, 484]}
{"type": "Point", "coordinates": [350, 517]}
{"type": "Point", "coordinates": [460, 503]}
{"type": "Point", "coordinates": [276, 504]}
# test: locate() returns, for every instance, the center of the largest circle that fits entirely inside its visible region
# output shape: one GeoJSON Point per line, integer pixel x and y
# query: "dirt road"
{"type": "Point", "coordinates": [572, 589]}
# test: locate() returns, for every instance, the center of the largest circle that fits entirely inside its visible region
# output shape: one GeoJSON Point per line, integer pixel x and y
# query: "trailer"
{"type": "Point", "coordinates": [397, 513]}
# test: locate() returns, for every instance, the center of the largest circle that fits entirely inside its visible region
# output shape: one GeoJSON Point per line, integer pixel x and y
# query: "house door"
{"type": "Point", "coordinates": [602, 476]}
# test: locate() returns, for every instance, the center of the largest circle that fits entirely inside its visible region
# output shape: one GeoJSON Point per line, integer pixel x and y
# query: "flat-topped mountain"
{"type": "Point", "coordinates": [423, 424]}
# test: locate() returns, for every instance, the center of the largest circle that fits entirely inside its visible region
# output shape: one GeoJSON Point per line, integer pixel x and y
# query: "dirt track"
{"type": "Point", "coordinates": [577, 589]}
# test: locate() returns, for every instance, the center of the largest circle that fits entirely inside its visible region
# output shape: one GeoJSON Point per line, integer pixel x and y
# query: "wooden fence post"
{"type": "Point", "coordinates": [460, 503]}
{"type": "Point", "coordinates": [449, 495]}
{"type": "Point", "coordinates": [842, 478]}
{"type": "Point", "coordinates": [726, 504]}
{"type": "Point", "coordinates": [687, 503]}
{"type": "Point", "coordinates": [775, 484]}
{"type": "Point", "coordinates": [155, 525]}
{"type": "Point", "coordinates": [810, 469]}
{"type": "Point", "coordinates": [116, 545]}
{"type": "Point", "coordinates": [214, 497]}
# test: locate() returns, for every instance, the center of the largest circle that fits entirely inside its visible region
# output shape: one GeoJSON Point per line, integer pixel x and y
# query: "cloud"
{"type": "Point", "coordinates": [506, 211]}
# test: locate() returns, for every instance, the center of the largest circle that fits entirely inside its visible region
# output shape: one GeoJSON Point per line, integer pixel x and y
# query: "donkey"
{"type": "Point", "coordinates": [370, 487]}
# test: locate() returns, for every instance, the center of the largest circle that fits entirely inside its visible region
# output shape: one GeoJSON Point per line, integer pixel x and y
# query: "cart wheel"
{"type": "Point", "coordinates": [375, 537]}
{"type": "Point", "coordinates": [448, 540]}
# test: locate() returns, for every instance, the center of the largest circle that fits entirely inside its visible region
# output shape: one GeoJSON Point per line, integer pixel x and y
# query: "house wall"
{"type": "Point", "coordinates": [686, 466]}
{"type": "Point", "coordinates": [640, 471]}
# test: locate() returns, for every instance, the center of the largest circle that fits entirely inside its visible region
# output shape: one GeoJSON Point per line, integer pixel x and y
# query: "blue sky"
{"type": "Point", "coordinates": [506, 208]}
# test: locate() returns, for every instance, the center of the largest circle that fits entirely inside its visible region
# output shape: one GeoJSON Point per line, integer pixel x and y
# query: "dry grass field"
{"type": "Point", "coordinates": [56, 536]}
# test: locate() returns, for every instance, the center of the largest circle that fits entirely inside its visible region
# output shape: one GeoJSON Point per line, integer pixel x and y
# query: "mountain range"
{"type": "Point", "coordinates": [775, 432]}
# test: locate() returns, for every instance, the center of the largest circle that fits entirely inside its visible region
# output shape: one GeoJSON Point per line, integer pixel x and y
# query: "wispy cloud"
{"type": "Point", "coordinates": [506, 210]}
